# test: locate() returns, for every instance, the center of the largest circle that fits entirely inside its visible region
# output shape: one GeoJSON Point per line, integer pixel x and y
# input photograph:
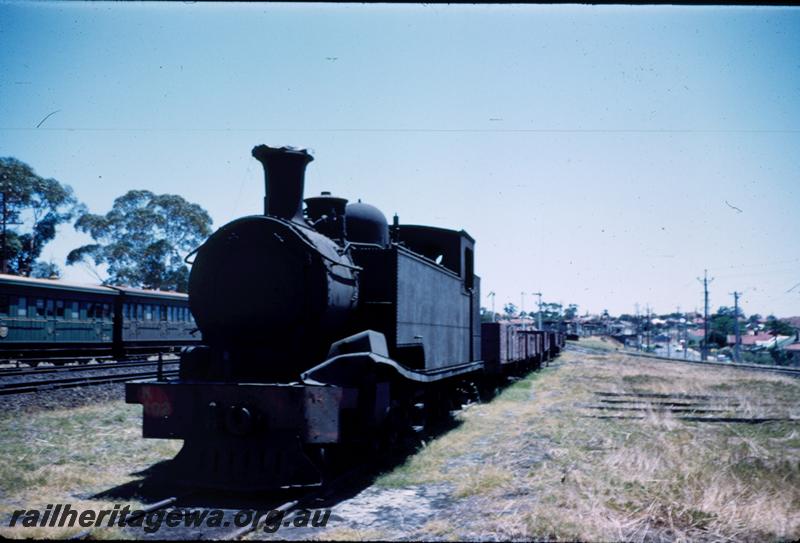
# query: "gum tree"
{"type": "Point", "coordinates": [31, 208]}
{"type": "Point", "coordinates": [143, 240]}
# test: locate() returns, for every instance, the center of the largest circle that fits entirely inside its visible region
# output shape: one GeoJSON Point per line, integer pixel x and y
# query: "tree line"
{"type": "Point", "coordinates": [142, 241]}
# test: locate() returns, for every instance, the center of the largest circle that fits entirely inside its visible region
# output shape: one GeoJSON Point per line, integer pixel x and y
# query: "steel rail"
{"type": "Point", "coordinates": [73, 382]}
{"type": "Point", "coordinates": [129, 363]}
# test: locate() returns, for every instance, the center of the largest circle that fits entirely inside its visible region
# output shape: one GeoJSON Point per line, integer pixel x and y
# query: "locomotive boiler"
{"type": "Point", "coordinates": [323, 327]}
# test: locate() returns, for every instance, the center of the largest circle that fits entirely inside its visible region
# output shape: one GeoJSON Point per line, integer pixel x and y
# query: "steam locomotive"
{"type": "Point", "coordinates": [323, 328]}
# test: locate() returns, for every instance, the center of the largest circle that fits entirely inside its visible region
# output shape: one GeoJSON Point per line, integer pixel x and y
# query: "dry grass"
{"type": "Point", "coordinates": [536, 463]}
{"type": "Point", "coordinates": [67, 456]}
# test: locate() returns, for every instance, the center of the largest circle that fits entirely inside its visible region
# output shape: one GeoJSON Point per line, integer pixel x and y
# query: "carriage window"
{"type": "Point", "coordinates": [39, 307]}
{"type": "Point", "coordinates": [50, 308]}
{"type": "Point", "coordinates": [106, 312]}
{"type": "Point", "coordinates": [163, 313]}
{"type": "Point", "coordinates": [148, 312]}
{"type": "Point", "coordinates": [59, 309]}
{"type": "Point", "coordinates": [170, 313]}
{"type": "Point", "coordinates": [89, 310]}
{"type": "Point", "coordinates": [4, 304]}
{"type": "Point", "coordinates": [22, 307]}
{"type": "Point", "coordinates": [139, 312]}
{"type": "Point", "coordinates": [75, 309]}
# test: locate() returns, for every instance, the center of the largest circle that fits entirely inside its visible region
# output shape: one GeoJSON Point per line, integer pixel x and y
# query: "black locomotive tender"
{"type": "Point", "coordinates": [322, 330]}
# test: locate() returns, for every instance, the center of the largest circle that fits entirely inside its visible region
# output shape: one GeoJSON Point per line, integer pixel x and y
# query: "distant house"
{"type": "Point", "coordinates": [695, 335]}
{"type": "Point", "coordinates": [762, 341]}
{"type": "Point", "coordinates": [753, 340]}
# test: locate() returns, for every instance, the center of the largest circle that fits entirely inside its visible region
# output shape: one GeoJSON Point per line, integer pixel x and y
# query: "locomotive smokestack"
{"type": "Point", "coordinates": [284, 177]}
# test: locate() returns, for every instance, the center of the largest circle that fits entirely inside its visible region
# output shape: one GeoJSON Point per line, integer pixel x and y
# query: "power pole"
{"type": "Point", "coordinates": [492, 294]}
{"type": "Point", "coordinates": [647, 328]}
{"type": "Point", "coordinates": [706, 281]}
{"type": "Point", "coordinates": [521, 303]}
{"type": "Point", "coordinates": [539, 318]}
{"type": "Point", "coordinates": [638, 329]}
{"type": "Point", "coordinates": [737, 346]}
{"type": "Point", "coordinates": [5, 220]}
{"type": "Point", "coordinates": [686, 339]}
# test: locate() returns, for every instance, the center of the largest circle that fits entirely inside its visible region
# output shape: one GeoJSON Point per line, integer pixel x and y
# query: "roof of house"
{"type": "Point", "coordinates": [751, 339]}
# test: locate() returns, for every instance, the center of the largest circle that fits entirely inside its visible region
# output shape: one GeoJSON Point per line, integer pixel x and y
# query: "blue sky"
{"type": "Point", "coordinates": [595, 153]}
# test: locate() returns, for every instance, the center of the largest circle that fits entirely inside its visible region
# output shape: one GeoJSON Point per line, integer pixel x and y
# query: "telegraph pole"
{"type": "Point", "coordinates": [647, 328]}
{"type": "Point", "coordinates": [5, 220]}
{"type": "Point", "coordinates": [738, 345]}
{"type": "Point", "coordinates": [686, 339]}
{"type": "Point", "coordinates": [522, 303]}
{"type": "Point", "coordinates": [539, 319]}
{"type": "Point", "coordinates": [492, 294]}
{"type": "Point", "coordinates": [706, 281]}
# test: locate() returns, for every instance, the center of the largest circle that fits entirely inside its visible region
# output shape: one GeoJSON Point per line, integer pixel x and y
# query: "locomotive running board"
{"type": "Point", "coordinates": [349, 359]}
{"type": "Point", "coordinates": [335, 371]}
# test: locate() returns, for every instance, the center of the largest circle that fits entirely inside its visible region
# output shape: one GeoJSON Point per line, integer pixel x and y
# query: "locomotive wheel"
{"type": "Point", "coordinates": [396, 430]}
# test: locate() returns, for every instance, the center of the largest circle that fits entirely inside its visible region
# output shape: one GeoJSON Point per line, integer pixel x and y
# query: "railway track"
{"type": "Point", "coordinates": [128, 363]}
{"type": "Point", "coordinates": [24, 387]}
{"type": "Point", "coordinates": [793, 372]}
